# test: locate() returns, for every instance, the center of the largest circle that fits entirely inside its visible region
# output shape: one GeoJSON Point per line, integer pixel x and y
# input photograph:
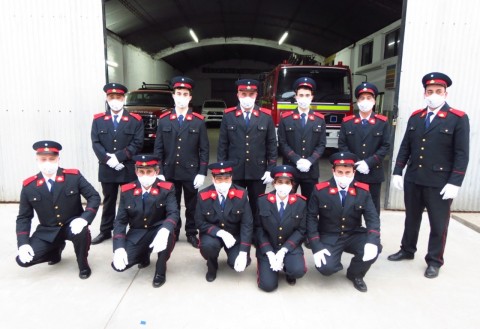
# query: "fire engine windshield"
{"type": "Point", "coordinates": [149, 99]}
{"type": "Point", "coordinates": [333, 84]}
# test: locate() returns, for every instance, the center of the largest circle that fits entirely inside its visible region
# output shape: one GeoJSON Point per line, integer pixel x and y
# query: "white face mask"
{"type": "Point", "coordinates": [304, 102]}
{"type": "Point", "coordinates": [181, 101]}
{"type": "Point", "coordinates": [343, 181]}
{"type": "Point", "coordinates": [247, 102]}
{"type": "Point", "coordinates": [365, 105]}
{"type": "Point", "coordinates": [48, 168]}
{"type": "Point", "coordinates": [434, 101]}
{"type": "Point", "coordinates": [115, 104]}
{"type": "Point", "coordinates": [147, 181]}
{"type": "Point", "coordinates": [283, 190]}
{"type": "Point", "coordinates": [222, 188]}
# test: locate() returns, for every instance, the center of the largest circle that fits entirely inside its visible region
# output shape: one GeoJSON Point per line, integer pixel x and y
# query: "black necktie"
{"type": "Point", "coordinates": [115, 121]}
{"type": "Point", "coordinates": [247, 118]}
{"type": "Point", "coordinates": [51, 185]}
{"type": "Point", "coordinates": [304, 122]}
{"type": "Point", "coordinates": [343, 194]}
{"type": "Point", "coordinates": [222, 202]}
{"type": "Point", "coordinates": [427, 120]}
{"type": "Point", "coordinates": [180, 120]}
{"type": "Point", "coordinates": [282, 209]}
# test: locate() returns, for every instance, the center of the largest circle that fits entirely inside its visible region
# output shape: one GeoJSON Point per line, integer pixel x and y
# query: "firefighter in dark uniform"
{"type": "Point", "coordinates": [435, 150]}
{"type": "Point", "coordinates": [247, 137]}
{"type": "Point", "coordinates": [302, 136]}
{"type": "Point", "coordinates": [224, 219]}
{"type": "Point", "coordinates": [117, 136]}
{"type": "Point", "coordinates": [183, 149]}
{"type": "Point", "coordinates": [367, 135]}
{"type": "Point", "coordinates": [149, 208]}
{"type": "Point", "coordinates": [55, 196]}
{"type": "Point", "coordinates": [334, 222]}
{"type": "Point", "coordinates": [280, 227]}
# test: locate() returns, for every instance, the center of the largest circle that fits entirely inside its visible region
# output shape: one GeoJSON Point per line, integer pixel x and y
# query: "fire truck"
{"type": "Point", "coordinates": [333, 97]}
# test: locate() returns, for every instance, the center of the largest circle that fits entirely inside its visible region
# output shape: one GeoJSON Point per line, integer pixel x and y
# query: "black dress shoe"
{"type": "Point", "coordinates": [55, 260]}
{"type": "Point", "coordinates": [359, 284]}
{"type": "Point", "coordinates": [400, 256]}
{"type": "Point", "coordinates": [144, 263]}
{"type": "Point", "coordinates": [102, 237]}
{"type": "Point", "coordinates": [291, 280]}
{"type": "Point", "coordinates": [193, 240]}
{"type": "Point", "coordinates": [85, 274]}
{"type": "Point", "coordinates": [432, 271]}
{"type": "Point", "coordinates": [158, 280]}
{"type": "Point", "coordinates": [211, 276]}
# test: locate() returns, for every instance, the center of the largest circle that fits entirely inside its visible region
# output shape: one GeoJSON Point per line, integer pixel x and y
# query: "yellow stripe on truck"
{"type": "Point", "coordinates": [316, 107]}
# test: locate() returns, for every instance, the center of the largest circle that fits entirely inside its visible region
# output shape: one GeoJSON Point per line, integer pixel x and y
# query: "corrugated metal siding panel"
{"type": "Point", "coordinates": [442, 36]}
{"type": "Point", "coordinates": [52, 74]}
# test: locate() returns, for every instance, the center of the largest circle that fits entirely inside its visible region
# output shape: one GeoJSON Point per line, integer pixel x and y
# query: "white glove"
{"type": "Point", "coordinates": [77, 225]}
{"type": "Point", "coordinates": [362, 167]}
{"type": "Point", "coordinates": [25, 253]}
{"type": "Point", "coordinates": [267, 179]}
{"type": "Point", "coordinates": [198, 181]}
{"type": "Point", "coordinates": [280, 255]}
{"type": "Point", "coordinates": [120, 259]}
{"type": "Point", "coordinates": [119, 167]}
{"type": "Point", "coordinates": [227, 238]}
{"type": "Point", "coordinates": [272, 259]}
{"type": "Point", "coordinates": [160, 242]}
{"type": "Point", "coordinates": [241, 261]}
{"type": "Point", "coordinates": [113, 161]}
{"type": "Point", "coordinates": [449, 191]}
{"type": "Point", "coordinates": [304, 165]}
{"type": "Point", "coordinates": [161, 177]}
{"type": "Point", "coordinates": [319, 257]}
{"type": "Point", "coordinates": [397, 182]}
{"type": "Point", "coordinates": [370, 251]}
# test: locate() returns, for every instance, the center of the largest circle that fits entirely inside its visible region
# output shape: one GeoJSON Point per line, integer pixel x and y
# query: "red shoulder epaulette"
{"type": "Point", "coordinates": [71, 171]}
{"type": "Point", "coordinates": [350, 117]}
{"type": "Point", "coordinates": [322, 185]}
{"type": "Point", "coordinates": [363, 186]}
{"type": "Point", "coordinates": [301, 196]}
{"type": "Point", "coordinates": [165, 185]}
{"type": "Point", "coordinates": [230, 109]}
{"type": "Point", "coordinates": [136, 116]}
{"type": "Point", "coordinates": [127, 187]}
{"type": "Point", "coordinates": [165, 114]}
{"type": "Point", "coordinates": [201, 117]}
{"type": "Point", "coordinates": [29, 180]}
{"type": "Point", "coordinates": [457, 112]}
{"type": "Point", "coordinates": [416, 112]}
{"type": "Point", "coordinates": [318, 114]}
{"type": "Point", "coordinates": [286, 114]}
{"type": "Point", "coordinates": [208, 194]}
{"type": "Point", "coordinates": [234, 192]}
{"type": "Point", "coordinates": [381, 117]}
{"type": "Point", "coordinates": [265, 111]}
{"type": "Point", "coordinates": [98, 115]}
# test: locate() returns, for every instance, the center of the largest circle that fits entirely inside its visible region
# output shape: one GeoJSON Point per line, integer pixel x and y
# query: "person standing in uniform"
{"type": "Point", "coordinates": [247, 137]}
{"type": "Point", "coordinates": [435, 150]}
{"type": "Point", "coordinates": [183, 149]}
{"type": "Point", "coordinates": [224, 219]}
{"type": "Point", "coordinates": [280, 227]}
{"type": "Point", "coordinates": [117, 136]}
{"type": "Point", "coordinates": [54, 194]}
{"type": "Point", "coordinates": [149, 208]}
{"type": "Point", "coordinates": [367, 135]}
{"type": "Point", "coordinates": [334, 222]}
{"type": "Point", "coordinates": [302, 137]}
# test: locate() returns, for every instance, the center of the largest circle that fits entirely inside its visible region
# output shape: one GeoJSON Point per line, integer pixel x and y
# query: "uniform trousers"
{"type": "Point", "coordinates": [306, 186]}
{"type": "Point", "coordinates": [294, 267]}
{"type": "Point", "coordinates": [352, 243]}
{"type": "Point", "coordinates": [190, 196]}
{"type": "Point", "coordinates": [254, 189]}
{"type": "Point", "coordinates": [210, 249]}
{"type": "Point", "coordinates": [110, 194]}
{"type": "Point", "coordinates": [417, 198]}
{"type": "Point", "coordinates": [50, 251]}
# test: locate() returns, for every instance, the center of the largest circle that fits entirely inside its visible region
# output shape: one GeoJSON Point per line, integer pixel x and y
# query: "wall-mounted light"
{"type": "Point", "coordinates": [111, 63]}
{"type": "Point", "coordinates": [193, 35]}
{"type": "Point", "coordinates": [282, 39]}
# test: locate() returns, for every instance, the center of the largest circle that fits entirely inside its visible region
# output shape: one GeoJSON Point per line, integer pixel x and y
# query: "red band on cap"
{"type": "Point", "coordinates": [115, 91]}
{"type": "Point", "coordinates": [305, 84]}
{"type": "Point", "coordinates": [146, 163]}
{"type": "Point", "coordinates": [247, 87]}
{"type": "Point", "coordinates": [221, 171]}
{"type": "Point", "coordinates": [342, 161]}
{"type": "Point", "coordinates": [366, 90]}
{"type": "Point", "coordinates": [183, 85]}
{"type": "Point", "coordinates": [436, 82]}
{"type": "Point", "coordinates": [47, 149]}
{"type": "Point", "coordinates": [283, 174]}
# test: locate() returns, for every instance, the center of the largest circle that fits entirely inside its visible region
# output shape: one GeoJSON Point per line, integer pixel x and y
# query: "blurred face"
{"type": "Point", "coordinates": [119, 97]}
{"type": "Point", "coordinates": [343, 171]}
{"type": "Point", "coordinates": [182, 98]}
{"type": "Point", "coordinates": [247, 99]}
{"type": "Point", "coordinates": [366, 96]}
{"type": "Point", "coordinates": [222, 179]}
{"type": "Point", "coordinates": [282, 181]}
{"type": "Point", "coordinates": [435, 89]}
{"type": "Point", "coordinates": [48, 164]}
{"type": "Point", "coordinates": [42, 158]}
{"type": "Point", "coordinates": [147, 171]}
{"type": "Point", "coordinates": [365, 102]}
{"type": "Point", "coordinates": [304, 97]}
{"type": "Point", "coordinates": [247, 93]}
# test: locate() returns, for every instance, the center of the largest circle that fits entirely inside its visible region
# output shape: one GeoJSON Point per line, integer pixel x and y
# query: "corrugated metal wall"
{"type": "Point", "coordinates": [52, 71]}
{"type": "Point", "coordinates": [442, 35]}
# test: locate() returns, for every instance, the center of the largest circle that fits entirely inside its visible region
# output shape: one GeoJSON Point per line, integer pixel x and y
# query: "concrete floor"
{"type": "Point", "coordinates": [399, 295]}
